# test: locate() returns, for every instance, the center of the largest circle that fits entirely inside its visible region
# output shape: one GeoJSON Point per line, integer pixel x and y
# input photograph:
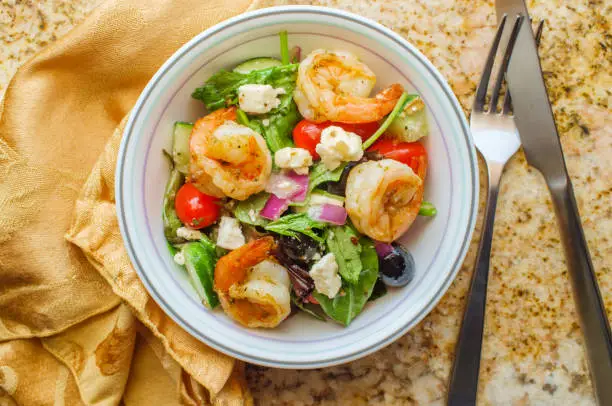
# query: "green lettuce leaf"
{"type": "Point", "coordinates": [292, 224]}
{"type": "Point", "coordinates": [308, 308]}
{"type": "Point", "coordinates": [343, 242]}
{"type": "Point", "coordinates": [320, 174]}
{"type": "Point", "coordinates": [279, 126]}
{"type": "Point", "coordinates": [349, 302]}
{"type": "Point", "coordinates": [379, 290]}
{"type": "Point", "coordinates": [169, 216]}
{"type": "Point", "coordinates": [221, 90]}
{"type": "Point", "coordinates": [247, 211]}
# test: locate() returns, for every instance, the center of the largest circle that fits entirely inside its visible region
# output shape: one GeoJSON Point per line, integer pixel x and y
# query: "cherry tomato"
{"type": "Point", "coordinates": [364, 130]}
{"type": "Point", "coordinates": [307, 134]}
{"type": "Point", "coordinates": [412, 154]}
{"type": "Point", "coordinates": [195, 208]}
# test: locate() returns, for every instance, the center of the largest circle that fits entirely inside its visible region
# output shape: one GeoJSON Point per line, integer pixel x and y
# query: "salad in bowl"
{"type": "Point", "coordinates": [289, 192]}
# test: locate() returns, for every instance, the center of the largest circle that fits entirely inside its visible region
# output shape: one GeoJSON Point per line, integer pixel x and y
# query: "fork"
{"type": "Point", "coordinates": [497, 140]}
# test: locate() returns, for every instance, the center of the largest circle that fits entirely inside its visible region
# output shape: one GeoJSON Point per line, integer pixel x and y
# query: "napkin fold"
{"type": "Point", "coordinates": [76, 324]}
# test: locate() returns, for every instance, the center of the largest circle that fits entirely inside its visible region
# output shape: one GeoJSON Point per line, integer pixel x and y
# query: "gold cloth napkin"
{"type": "Point", "coordinates": [76, 324]}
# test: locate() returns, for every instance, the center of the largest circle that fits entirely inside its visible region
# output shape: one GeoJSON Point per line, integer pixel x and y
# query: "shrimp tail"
{"type": "Point", "coordinates": [357, 110]}
{"type": "Point", "coordinates": [233, 267]}
{"type": "Point", "coordinates": [388, 98]}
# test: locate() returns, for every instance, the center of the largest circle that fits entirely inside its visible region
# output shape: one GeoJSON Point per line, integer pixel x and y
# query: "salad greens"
{"type": "Point", "coordinates": [284, 47]}
{"type": "Point", "coordinates": [308, 308]}
{"type": "Point", "coordinates": [276, 127]}
{"type": "Point", "coordinates": [169, 216]}
{"type": "Point", "coordinates": [292, 224]}
{"type": "Point", "coordinates": [427, 209]}
{"type": "Point", "coordinates": [343, 242]}
{"type": "Point", "coordinates": [247, 211]}
{"type": "Point", "coordinates": [350, 301]}
{"type": "Point", "coordinates": [221, 90]}
{"type": "Point", "coordinates": [320, 174]}
{"type": "Point", "coordinates": [379, 290]}
{"type": "Point", "coordinates": [241, 117]}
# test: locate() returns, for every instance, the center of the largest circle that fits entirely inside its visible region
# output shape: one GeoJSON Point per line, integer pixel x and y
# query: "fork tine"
{"type": "Point", "coordinates": [507, 98]}
{"type": "Point", "coordinates": [504, 65]}
{"type": "Point", "coordinates": [481, 91]}
{"type": "Point", "coordinates": [539, 30]}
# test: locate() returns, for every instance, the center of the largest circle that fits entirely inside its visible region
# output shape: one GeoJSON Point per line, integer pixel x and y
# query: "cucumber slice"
{"type": "Point", "coordinates": [410, 125]}
{"type": "Point", "coordinates": [180, 147]}
{"type": "Point", "coordinates": [257, 64]}
{"type": "Point", "coordinates": [317, 198]}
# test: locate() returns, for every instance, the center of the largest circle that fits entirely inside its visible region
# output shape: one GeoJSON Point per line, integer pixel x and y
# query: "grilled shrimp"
{"type": "Point", "coordinates": [335, 85]}
{"type": "Point", "coordinates": [253, 289]}
{"type": "Point", "coordinates": [383, 198]}
{"type": "Point", "coordinates": [228, 159]}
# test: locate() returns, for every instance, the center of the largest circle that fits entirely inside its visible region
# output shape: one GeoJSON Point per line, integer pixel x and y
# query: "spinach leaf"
{"type": "Point", "coordinates": [343, 242]}
{"type": "Point", "coordinates": [308, 308]}
{"type": "Point", "coordinates": [350, 301]}
{"type": "Point", "coordinates": [292, 224]}
{"type": "Point", "coordinates": [221, 90]}
{"type": "Point", "coordinates": [279, 125]}
{"type": "Point", "coordinates": [379, 290]}
{"type": "Point", "coordinates": [320, 174]}
{"type": "Point", "coordinates": [247, 211]}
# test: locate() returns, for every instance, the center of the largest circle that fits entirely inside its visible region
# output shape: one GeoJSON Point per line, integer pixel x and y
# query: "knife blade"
{"type": "Point", "coordinates": [535, 122]}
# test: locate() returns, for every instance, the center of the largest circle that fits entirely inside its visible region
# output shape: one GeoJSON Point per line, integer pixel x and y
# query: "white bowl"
{"type": "Point", "coordinates": [438, 244]}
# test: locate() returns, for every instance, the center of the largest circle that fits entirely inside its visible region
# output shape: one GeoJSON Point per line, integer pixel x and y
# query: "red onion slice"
{"type": "Point", "coordinates": [275, 206]}
{"type": "Point", "coordinates": [383, 249]}
{"type": "Point", "coordinates": [329, 213]}
{"type": "Point", "coordinates": [301, 180]}
{"type": "Point", "coordinates": [288, 185]}
{"type": "Point", "coordinates": [282, 186]}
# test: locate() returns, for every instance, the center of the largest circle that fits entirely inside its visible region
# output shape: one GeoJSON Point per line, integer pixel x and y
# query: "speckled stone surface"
{"type": "Point", "coordinates": [533, 346]}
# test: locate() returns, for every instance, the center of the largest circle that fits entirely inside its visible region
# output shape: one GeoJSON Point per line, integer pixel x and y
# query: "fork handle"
{"type": "Point", "coordinates": [591, 311]}
{"type": "Point", "coordinates": [464, 378]}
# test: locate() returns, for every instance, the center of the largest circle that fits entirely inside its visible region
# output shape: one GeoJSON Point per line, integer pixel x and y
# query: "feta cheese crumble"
{"type": "Point", "coordinates": [179, 258]}
{"type": "Point", "coordinates": [298, 159]}
{"type": "Point", "coordinates": [188, 233]}
{"type": "Point", "coordinates": [337, 146]}
{"type": "Point", "coordinates": [325, 276]}
{"type": "Point", "coordinates": [259, 99]}
{"type": "Point", "coordinates": [230, 235]}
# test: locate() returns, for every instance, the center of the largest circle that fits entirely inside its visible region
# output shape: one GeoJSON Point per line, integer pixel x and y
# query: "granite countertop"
{"type": "Point", "coordinates": [532, 350]}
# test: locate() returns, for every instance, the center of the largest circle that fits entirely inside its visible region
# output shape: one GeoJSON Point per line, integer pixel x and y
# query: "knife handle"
{"type": "Point", "coordinates": [591, 311]}
{"type": "Point", "coordinates": [463, 385]}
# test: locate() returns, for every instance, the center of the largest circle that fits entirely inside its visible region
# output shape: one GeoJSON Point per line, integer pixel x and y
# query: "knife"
{"type": "Point", "coordinates": [534, 119]}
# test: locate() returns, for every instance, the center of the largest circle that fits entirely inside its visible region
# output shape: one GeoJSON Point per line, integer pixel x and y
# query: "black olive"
{"type": "Point", "coordinates": [397, 267]}
{"type": "Point", "coordinates": [339, 188]}
{"type": "Point", "coordinates": [302, 249]}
